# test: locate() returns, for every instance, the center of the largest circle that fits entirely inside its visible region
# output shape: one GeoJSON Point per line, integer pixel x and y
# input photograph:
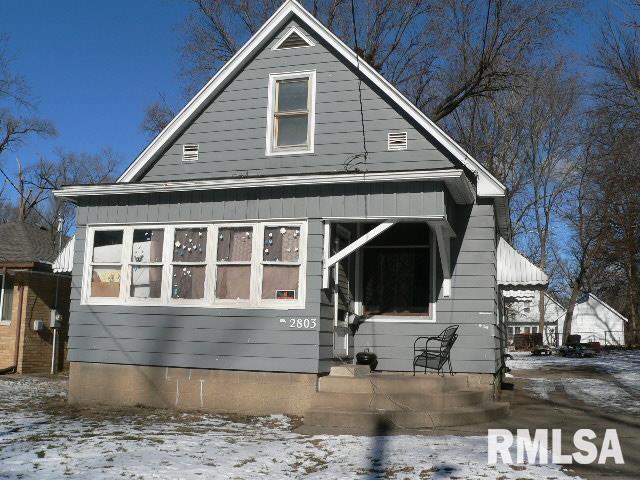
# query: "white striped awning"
{"type": "Point", "coordinates": [515, 270]}
{"type": "Point", "coordinates": [64, 262]}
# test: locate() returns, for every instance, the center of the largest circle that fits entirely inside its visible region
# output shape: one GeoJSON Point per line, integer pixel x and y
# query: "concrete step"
{"type": "Point", "coordinates": [393, 384]}
{"type": "Point", "coordinates": [385, 419]}
{"type": "Point", "coordinates": [398, 401]}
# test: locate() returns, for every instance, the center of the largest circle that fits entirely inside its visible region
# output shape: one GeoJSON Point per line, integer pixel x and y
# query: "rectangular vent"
{"type": "Point", "coordinates": [397, 141]}
{"type": "Point", "coordinates": [190, 152]}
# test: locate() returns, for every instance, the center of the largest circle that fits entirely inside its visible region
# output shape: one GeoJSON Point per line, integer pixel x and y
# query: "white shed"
{"type": "Point", "coordinates": [596, 321]}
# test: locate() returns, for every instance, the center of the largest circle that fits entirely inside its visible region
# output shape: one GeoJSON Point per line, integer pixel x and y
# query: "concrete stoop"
{"type": "Point", "coordinates": [399, 402]}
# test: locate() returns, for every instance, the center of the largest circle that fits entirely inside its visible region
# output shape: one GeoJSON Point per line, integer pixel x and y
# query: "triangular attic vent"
{"type": "Point", "coordinates": [294, 38]}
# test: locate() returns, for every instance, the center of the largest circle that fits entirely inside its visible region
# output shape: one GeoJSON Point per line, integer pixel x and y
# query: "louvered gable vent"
{"type": "Point", "coordinates": [397, 141]}
{"type": "Point", "coordinates": [293, 39]}
{"type": "Point", "coordinates": [190, 152]}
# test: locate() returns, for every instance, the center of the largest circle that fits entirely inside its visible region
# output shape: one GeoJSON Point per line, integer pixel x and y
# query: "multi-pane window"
{"type": "Point", "coordinates": [233, 263]}
{"type": "Point", "coordinates": [146, 263]}
{"type": "Point", "coordinates": [291, 113]}
{"type": "Point", "coordinates": [106, 263]}
{"type": "Point", "coordinates": [202, 265]}
{"type": "Point", "coordinates": [189, 263]}
{"type": "Point", "coordinates": [281, 263]}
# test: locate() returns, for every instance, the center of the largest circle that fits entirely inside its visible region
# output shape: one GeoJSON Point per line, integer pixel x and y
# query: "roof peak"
{"type": "Point", "coordinates": [487, 184]}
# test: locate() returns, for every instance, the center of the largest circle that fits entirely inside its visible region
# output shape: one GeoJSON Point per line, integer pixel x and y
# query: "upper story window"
{"type": "Point", "coordinates": [291, 113]}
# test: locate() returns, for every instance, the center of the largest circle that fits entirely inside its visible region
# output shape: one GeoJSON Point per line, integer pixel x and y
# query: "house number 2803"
{"type": "Point", "coordinates": [300, 322]}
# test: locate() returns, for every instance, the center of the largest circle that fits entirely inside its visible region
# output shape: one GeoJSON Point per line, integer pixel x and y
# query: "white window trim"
{"type": "Point", "coordinates": [209, 300]}
{"type": "Point", "coordinates": [4, 321]}
{"type": "Point", "coordinates": [431, 318]}
{"type": "Point", "coordinates": [286, 35]}
{"type": "Point", "coordinates": [311, 108]}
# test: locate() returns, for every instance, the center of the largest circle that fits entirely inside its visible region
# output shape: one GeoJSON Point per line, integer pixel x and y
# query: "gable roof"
{"type": "Point", "coordinates": [487, 184]}
{"type": "Point", "coordinates": [606, 305]}
{"type": "Point", "coordinates": [24, 242]}
{"type": "Point", "coordinates": [515, 270]}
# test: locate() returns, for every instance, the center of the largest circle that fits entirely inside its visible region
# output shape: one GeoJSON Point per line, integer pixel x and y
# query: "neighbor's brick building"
{"type": "Point", "coordinates": [28, 294]}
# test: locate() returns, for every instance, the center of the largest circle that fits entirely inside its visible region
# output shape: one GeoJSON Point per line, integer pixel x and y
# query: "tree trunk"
{"type": "Point", "coordinates": [541, 311]}
{"type": "Point", "coordinates": [575, 291]}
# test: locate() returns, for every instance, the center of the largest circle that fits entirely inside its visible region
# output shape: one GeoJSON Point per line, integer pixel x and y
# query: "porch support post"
{"type": "Point", "coordinates": [443, 237]}
{"type": "Point", "coordinates": [352, 247]}
{"type": "Point", "coordinates": [326, 249]}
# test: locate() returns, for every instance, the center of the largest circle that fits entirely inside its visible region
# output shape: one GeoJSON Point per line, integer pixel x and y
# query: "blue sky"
{"type": "Point", "coordinates": [94, 66]}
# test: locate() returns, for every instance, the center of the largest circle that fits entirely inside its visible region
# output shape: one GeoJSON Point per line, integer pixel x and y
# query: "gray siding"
{"type": "Point", "coordinates": [369, 200]}
{"type": "Point", "coordinates": [228, 338]}
{"type": "Point", "coordinates": [231, 131]}
{"type": "Point", "coordinates": [472, 304]}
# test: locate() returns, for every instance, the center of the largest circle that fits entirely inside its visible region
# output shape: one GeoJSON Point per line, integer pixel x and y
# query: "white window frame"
{"type": "Point", "coordinates": [209, 301]}
{"type": "Point", "coordinates": [229, 302]}
{"type": "Point", "coordinates": [169, 263]}
{"type": "Point", "coordinates": [274, 78]}
{"type": "Point", "coordinates": [4, 321]}
{"type": "Point", "coordinates": [89, 264]}
{"type": "Point", "coordinates": [128, 240]}
{"type": "Point", "coordinates": [300, 263]}
{"type": "Point", "coordinates": [386, 318]}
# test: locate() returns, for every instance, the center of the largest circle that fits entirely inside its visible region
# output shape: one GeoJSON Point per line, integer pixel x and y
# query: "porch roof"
{"type": "Point", "coordinates": [515, 270]}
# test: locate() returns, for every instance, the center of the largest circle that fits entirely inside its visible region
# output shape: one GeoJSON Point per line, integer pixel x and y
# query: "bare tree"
{"type": "Point", "coordinates": [551, 146]}
{"type": "Point", "coordinates": [439, 53]}
{"type": "Point", "coordinates": [33, 186]}
{"type": "Point", "coordinates": [16, 121]}
{"type": "Point", "coordinates": [615, 122]}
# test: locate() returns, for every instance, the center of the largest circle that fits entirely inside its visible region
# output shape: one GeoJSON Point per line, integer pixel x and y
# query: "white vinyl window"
{"type": "Point", "coordinates": [6, 299]}
{"type": "Point", "coordinates": [146, 263]}
{"type": "Point", "coordinates": [280, 263]}
{"type": "Point", "coordinates": [291, 113]}
{"type": "Point", "coordinates": [233, 263]}
{"type": "Point", "coordinates": [106, 263]}
{"type": "Point", "coordinates": [188, 263]}
{"type": "Point", "coordinates": [256, 265]}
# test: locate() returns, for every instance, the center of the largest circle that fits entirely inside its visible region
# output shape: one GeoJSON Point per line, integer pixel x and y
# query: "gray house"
{"type": "Point", "coordinates": [274, 228]}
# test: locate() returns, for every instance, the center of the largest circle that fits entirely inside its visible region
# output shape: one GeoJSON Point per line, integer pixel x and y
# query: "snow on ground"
{"type": "Point", "coordinates": [41, 437]}
{"type": "Point", "coordinates": [610, 380]}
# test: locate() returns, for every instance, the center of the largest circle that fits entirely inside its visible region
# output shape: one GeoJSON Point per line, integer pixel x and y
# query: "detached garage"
{"type": "Point", "coordinates": [596, 321]}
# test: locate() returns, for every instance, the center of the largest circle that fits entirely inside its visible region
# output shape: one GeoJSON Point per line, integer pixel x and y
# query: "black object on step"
{"type": "Point", "coordinates": [367, 358]}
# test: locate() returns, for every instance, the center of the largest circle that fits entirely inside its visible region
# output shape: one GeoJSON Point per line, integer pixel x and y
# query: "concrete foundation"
{"type": "Point", "coordinates": [221, 391]}
{"type": "Point", "coordinates": [225, 391]}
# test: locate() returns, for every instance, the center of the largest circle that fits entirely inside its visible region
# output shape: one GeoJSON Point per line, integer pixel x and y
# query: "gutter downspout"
{"type": "Point", "coordinates": [16, 349]}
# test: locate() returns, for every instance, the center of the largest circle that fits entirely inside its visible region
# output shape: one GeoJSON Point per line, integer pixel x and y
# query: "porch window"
{"type": "Point", "coordinates": [189, 263]}
{"type": "Point", "coordinates": [106, 263]}
{"type": "Point", "coordinates": [396, 272]}
{"type": "Point", "coordinates": [233, 263]}
{"type": "Point", "coordinates": [258, 264]}
{"type": "Point", "coordinates": [291, 113]}
{"type": "Point", "coordinates": [6, 298]}
{"type": "Point", "coordinates": [281, 263]}
{"type": "Point", "coordinates": [146, 263]}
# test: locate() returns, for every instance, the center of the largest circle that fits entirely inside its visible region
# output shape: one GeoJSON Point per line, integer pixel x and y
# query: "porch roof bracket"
{"type": "Point", "coordinates": [349, 249]}
{"type": "Point", "coordinates": [443, 238]}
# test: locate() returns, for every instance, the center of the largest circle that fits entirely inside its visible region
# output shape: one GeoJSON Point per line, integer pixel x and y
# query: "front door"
{"type": "Point", "coordinates": [341, 297]}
